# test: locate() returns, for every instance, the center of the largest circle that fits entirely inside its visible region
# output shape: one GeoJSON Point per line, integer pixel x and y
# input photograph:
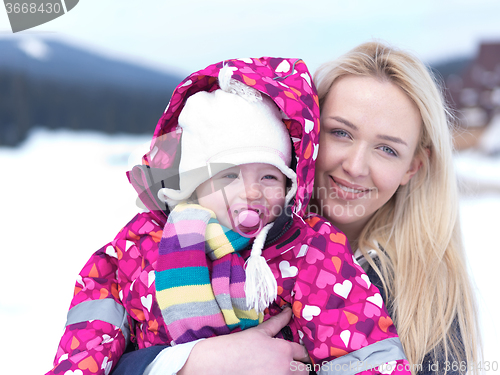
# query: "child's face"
{"type": "Point", "coordinates": [245, 187]}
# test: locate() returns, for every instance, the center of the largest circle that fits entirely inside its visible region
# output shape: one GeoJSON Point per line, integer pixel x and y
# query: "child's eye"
{"type": "Point", "coordinates": [231, 175]}
{"type": "Point", "coordinates": [270, 177]}
{"type": "Point", "coordinates": [388, 150]}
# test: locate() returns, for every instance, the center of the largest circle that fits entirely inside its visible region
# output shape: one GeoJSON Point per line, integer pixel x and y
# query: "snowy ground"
{"type": "Point", "coordinates": [65, 194]}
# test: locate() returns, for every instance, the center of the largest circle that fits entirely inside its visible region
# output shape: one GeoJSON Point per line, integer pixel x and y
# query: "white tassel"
{"type": "Point", "coordinates": [233, 86]}
{"type": "Point", "coordinates": [261, 288]}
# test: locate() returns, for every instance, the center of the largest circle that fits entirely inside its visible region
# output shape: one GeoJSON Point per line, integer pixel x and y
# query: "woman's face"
{"type": "Point", "coordinates": [369, 132]}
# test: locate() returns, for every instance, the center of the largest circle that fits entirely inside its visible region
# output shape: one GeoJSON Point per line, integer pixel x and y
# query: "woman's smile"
{"type": "Point", "coordinates": [348, 191]}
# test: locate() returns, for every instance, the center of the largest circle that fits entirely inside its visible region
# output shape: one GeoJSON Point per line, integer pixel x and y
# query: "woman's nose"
{"type": "Point", "coordinates": [356, 162]}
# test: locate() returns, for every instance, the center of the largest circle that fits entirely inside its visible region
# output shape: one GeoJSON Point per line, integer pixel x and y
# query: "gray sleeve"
{"type": "Point", "coordinates": [107, 310]}
{"type": "Point", "coordinates": [365, 358]}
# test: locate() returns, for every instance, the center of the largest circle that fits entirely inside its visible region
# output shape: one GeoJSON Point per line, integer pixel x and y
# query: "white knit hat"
{"type": "Point", "coordinates": [231, 126]}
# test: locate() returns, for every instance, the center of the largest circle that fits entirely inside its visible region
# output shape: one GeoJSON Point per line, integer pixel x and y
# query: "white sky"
{"type": "Point", "coordinates": [188, 35]}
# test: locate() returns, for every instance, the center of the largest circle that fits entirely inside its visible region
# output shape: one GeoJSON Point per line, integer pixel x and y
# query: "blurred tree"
{"type": "Point", "coordinates": [26, 102]}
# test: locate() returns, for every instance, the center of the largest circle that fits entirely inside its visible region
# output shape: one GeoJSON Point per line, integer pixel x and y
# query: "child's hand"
{"type": "Point", "coordinates": [253, 351]}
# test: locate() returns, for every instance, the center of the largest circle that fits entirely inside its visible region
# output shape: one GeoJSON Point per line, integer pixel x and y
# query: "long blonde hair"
{"type": "Point", "coordinates": [422, 266]}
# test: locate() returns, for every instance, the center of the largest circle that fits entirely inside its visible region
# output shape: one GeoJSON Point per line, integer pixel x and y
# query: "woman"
{"type": "Point", "coordinates": [384, 176]}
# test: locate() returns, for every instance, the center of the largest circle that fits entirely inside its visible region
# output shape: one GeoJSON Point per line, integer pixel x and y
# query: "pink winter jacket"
{"type": "Point", "coordinates": [338, 314]}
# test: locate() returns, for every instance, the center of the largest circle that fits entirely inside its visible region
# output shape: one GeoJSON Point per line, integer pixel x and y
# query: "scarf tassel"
{"type": "Point", "coordinates": [261, 288]}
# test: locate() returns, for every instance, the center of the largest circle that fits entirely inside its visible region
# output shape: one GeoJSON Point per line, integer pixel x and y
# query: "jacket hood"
{"type": "Point", "coordinates": [286, 81]}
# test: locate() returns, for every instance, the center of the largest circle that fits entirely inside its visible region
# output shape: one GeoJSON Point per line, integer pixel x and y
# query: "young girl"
{"type": "Point", "coordinates": [215, 186]}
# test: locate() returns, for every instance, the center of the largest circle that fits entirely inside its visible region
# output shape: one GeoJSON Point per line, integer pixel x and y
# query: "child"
{"type": "Point", "coordinates": [153, 286]}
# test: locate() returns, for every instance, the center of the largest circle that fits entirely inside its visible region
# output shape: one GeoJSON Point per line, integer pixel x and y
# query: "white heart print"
{"type": "Point", "coordinates": [366, 279]}
{"type": "Point", "coordinates": [310, 311]}
{"type": "Point", "coordinates": [345, 336]}
{"type": "Point", "coordinates": [283, 67]}
{"type": "Point", "coordinates": [376, 299]}
{"type": "Point", "coordinates": [343, 289]}
{"type": "Point", "coordinates": [151, 278]}
{"type": "Point", "coordinates": [147, 301]}
{"type": "Point", "coordinates": [307, 78]}
{"type": "Point", "coordinates": [287, 270]}
{"type": "Point", "coordinates": [309, 125]}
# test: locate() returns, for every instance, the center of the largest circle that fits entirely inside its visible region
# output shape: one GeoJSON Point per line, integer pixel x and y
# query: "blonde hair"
{"type": "Point", "coordinates": [422, 266]}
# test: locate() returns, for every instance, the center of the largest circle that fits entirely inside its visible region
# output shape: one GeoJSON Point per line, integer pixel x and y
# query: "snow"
{"type": "Point", "coordinates": [34, 48]}
{"type": "Point", "coordinates": [478, 170]}
{"type": "Point", "coordinates": [65, 194]}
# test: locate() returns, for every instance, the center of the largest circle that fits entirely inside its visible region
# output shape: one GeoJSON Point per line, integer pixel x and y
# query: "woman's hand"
{"type": "Point", "coordinates": [253, 351]}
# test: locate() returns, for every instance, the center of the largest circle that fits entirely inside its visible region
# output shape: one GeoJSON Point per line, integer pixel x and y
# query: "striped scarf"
{"type": "Point", "coordinates": [194, 302]}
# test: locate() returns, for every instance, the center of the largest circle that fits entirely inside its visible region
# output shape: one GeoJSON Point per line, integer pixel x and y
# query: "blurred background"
{"type": "Point", "coordinates": [80, 97]}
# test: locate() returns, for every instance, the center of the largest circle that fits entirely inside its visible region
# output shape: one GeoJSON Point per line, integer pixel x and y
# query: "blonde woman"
{"type": "Point", "coordinates": [384, 176]}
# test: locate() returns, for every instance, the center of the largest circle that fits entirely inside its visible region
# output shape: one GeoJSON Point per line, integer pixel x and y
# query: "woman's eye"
{"type": "Point", "coordinates": [388, 150]}
{"type": "Point", "coordinates": [340, 133]}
